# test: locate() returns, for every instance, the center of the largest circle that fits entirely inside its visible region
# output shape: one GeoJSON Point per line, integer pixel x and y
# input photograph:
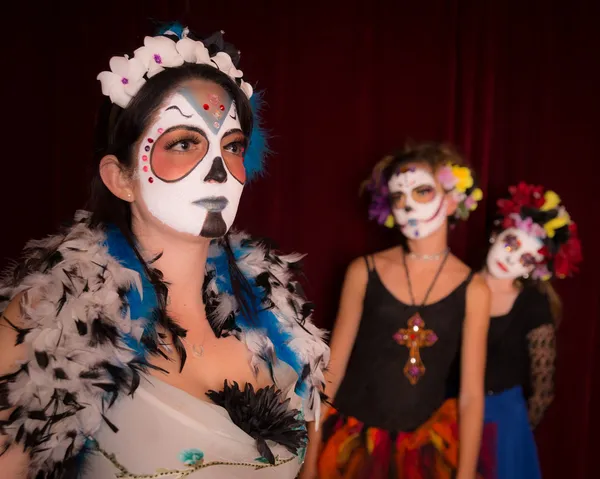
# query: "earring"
{"type": "Point", "coordinates": [492, 239]}
{"type": "Point", "coordinates": [526, 276]}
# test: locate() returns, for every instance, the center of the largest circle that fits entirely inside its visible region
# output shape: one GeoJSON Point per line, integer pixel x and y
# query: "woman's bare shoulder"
{"type": "Point", "coordinates": [11, 349]}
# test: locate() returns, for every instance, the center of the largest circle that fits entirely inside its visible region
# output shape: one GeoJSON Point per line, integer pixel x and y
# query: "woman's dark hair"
{"type": "Point", "coordinates": [117, 132]}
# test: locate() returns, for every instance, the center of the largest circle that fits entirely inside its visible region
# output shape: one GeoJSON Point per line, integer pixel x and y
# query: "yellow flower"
{"type": "Point", "coordinates": [477, 194]}
{"type": "Point", "coordinates": [556, 223]}
{"type": "Point", "coordinates": [390, 222]}
{"type": "Point", "coordinates": [552, 201]}
{"type": "Point", "coordinates": [464, 178]}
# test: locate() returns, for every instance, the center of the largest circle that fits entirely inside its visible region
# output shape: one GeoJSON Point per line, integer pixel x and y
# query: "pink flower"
{"type": "Point", "coordinates": [528, 226]}
{"type": "Point", "coordinates": [447, 178]}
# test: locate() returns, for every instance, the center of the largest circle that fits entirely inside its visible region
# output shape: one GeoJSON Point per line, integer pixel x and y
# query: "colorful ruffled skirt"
{"type": "Point", "coordinates": [350, 450]}
{"type": "Point", "coordinates": [516, 453]}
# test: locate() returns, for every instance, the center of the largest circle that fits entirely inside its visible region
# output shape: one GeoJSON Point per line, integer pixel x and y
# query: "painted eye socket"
{"type": "Point", "coordinates": [176, 153]}
{"type": "Point", "coordinates": [423, 194]}
{"type": "Point", "coordinates": [527, 260]}
{"type": "Point", "coordinates": [397, 200]}
{"type": "Point", "coordinates": [511, 243]}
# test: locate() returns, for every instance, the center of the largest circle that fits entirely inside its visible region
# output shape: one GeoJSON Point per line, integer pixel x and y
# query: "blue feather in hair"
{"type": "Point", "coordinates": [258, 147]}
{"type": "Point", "coordinates": [172, 28]}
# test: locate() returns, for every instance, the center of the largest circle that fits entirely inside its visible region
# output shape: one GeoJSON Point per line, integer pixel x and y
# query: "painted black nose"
{"type": "Point", "coordinates": [408, 209]}
{"type": "Point", "coordinates": [217, 173]}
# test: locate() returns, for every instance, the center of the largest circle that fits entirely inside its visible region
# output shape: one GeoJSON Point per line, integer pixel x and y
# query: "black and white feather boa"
{"type": "Point", "coordinates": [77, 329]}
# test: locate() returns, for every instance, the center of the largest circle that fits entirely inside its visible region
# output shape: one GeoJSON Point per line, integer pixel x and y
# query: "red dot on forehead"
{"type": "Point", "coordinates": [206, 107]}
{"type": "Point", "coordinates": [150, 180]}
{"type": "Point", "coordinates": [150, 140]}
{"type": "Point", "coordinates": [222, 107]}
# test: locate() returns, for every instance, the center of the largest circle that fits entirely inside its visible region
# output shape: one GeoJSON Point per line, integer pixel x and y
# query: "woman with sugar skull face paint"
{"type": "Point", "coordinates": [405, 316]}
{"type": "Point", "coordinates": [534, 241]}
{"type": "Point", "coordinates": [147, 339]}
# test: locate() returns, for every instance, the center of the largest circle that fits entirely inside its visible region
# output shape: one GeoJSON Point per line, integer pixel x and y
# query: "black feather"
{"type": "Point", "coordinates": [59, 373]}
{"type": "Point", "coordinates": [264, 415]}
{"type": "Point", "coordinates": [20, 434]}
{"type": "Point", "coordinates": [42, 359]}
{"type": "Point", "coordinates": [37, 415]}
{"type": "Point", "coordinates": [90, 374]}
{"type": "Point", "coordinates": [176, 333]}
{"type": "Point", "coordinates": [304, 374]}
{"type": "Point", "coordinates": [103, 331]}
{"type": "Point", "coordinates": [110, 424]}
{"type": "Point", "coordinates": [4, 395]}
{"type": "Point", "coordinates": [82, 327]}
{"type": "Point", "coordinates": [264, 450]}
{"type": "Point", "coordinates": [63, 299]}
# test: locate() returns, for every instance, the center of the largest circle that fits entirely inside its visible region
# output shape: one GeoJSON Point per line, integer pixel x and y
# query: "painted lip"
{"type": "Point", "coordinates": [502, 266]}
{"type": "Point", "coordinates": [212, 203]}
{"type": "Point", "coordinates": [415, 222]}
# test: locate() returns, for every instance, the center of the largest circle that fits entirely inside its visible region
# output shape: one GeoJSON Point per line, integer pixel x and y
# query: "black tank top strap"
{"type": "Point", "coordinates": [370, 263]}
{"type": "Point", "coordinates": [469, 277]}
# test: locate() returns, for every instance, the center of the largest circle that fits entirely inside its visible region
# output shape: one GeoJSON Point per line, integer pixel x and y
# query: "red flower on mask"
{"type": "Point", "coordinates": [521, 195]}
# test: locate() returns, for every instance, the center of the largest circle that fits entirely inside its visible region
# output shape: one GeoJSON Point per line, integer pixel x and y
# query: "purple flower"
{"type": "Point", "coordinates": [470, 202]}
{"type": "Point", "coordinates": [541, 271]}
{"type": "Point", "coordinates": [379, 209]}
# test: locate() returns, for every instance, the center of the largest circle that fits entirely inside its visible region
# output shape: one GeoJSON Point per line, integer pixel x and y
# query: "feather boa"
{"type": "Point", "coordinates": [89, 321]}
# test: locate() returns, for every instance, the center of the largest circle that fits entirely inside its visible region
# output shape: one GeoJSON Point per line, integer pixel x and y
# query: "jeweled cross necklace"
{"type": "Point", "coordinates": [416, 336]}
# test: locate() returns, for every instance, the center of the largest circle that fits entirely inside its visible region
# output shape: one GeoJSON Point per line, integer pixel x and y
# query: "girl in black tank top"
{"type": "Point", "coordinates": [404, 315]}
{"type": "Point", "coordinates": [366, 391]}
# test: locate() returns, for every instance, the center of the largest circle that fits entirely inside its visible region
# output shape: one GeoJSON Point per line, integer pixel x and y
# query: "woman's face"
{"type": "Point", "coordinates": [190, 161]}
{"type": "Point", "coordinates": [514, 254]}
{"type": "Point", "coordinates": [419, 203]}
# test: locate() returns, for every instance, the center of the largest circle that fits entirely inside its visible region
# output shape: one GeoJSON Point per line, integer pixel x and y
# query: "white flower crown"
{"type": "Point", "coordinates": [128, 75]}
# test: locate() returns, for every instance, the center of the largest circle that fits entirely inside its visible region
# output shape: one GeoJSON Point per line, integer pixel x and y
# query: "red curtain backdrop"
{"type": "Point", "coordinates": [512, 83]}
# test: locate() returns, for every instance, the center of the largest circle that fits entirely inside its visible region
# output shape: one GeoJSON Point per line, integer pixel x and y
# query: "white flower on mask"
{"type": "Point", "coordinates": [158, 53]}
{"type": "Point", "coordinates": [124, 80]}
{"type": "Point", "coordinates": [246, 88]}
{"type": "Point", "coordinates": [193, 51]}
{"type": "Point", "coordinates": [224, 63]}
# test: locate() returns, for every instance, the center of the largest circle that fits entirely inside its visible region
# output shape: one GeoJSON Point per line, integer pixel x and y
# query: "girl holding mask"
{"type": "Point", "coordinates": [534, 241]}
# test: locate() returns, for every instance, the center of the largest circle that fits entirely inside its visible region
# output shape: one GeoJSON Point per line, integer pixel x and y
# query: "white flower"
{"type": "Point", "coordinates": [123, 81]}
{"type": "Point", "coordinates": [246, 88]}
{"type": "Point", "coordinates": [158, 53]}
{"type": "Point", "coordinates": [193, 51]}
{"type": "Point", "coordinates": [224, 63]}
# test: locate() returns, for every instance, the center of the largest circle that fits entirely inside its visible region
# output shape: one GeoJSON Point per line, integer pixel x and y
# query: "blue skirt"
{"type": "Point", "coordinates": [516, 451]}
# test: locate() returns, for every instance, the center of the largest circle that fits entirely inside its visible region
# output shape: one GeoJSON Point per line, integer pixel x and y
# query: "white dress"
{"type": "Point", "coordinates": [162, 427]}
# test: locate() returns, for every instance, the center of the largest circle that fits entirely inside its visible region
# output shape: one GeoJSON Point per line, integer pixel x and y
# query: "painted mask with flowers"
{"type": "Point", "coordinates": [412, 201]}
{"type": "Point", "coordinates": [534, 236]}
